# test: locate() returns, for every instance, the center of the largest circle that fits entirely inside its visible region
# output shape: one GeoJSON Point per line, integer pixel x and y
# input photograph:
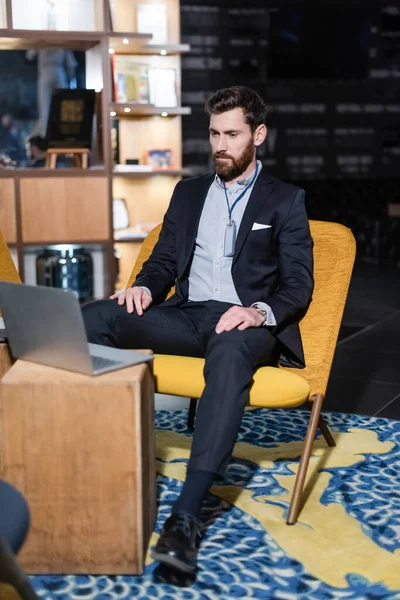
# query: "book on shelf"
{"type": "Point", "coordinates": [152, 18]}
{"type": "Point", "coordinates": [119, 168]}
{"type": "Point", "coordinates": [115, 141]}
{"type": "Point", "coordinates": [130, 80]}
{"type": "Point", "coordinates": [162, 87]}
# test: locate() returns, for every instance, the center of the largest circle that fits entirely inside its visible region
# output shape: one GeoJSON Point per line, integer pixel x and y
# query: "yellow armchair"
{"type": "Point", "coordinates": [8, 272]}
{"type": "Point", "coordinates": [273, 387]}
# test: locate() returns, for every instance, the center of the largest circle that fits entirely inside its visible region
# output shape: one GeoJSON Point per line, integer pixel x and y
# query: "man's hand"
{"type": "Point", "coordinates": [136, 298]}
{"type": "Point", "coordinates": [239, 317]}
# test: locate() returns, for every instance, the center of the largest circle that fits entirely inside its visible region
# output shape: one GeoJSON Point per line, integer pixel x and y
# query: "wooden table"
{"type": "Point", "coordinates": [82, 451]}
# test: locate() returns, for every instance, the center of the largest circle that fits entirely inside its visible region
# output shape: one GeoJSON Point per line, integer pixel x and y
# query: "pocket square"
{"type": "Point", "coordinates": [257, 226]}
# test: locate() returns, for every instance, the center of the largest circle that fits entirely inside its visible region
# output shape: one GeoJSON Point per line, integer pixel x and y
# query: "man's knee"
{"type": "Point", "coordinates": [97, 317]}
{"type": "Point", "coordinates": [229, 348]}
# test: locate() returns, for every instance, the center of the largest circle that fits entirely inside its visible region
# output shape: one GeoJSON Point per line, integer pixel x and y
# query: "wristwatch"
{"type": "Point", "coordinates": [262, 312]}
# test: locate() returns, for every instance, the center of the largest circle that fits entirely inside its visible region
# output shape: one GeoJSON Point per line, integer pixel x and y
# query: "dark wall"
{"type": "Point", "coordinates": [329, 71]}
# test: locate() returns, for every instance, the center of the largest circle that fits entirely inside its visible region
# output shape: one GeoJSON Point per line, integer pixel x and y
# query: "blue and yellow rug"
{"type": "Point", "coordinates": [346, 544]}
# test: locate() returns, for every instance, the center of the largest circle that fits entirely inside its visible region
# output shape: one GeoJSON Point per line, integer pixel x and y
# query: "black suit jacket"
{"type": "Point", "coordinates": [272, 265]}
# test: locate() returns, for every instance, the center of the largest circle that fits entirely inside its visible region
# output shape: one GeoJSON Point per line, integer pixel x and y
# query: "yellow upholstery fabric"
{"type": "Point", "coordinates": [272, 387]}
{"type": "Point", "coordinates": [8, 592]}
{"type": "Point", "coordinates": [334, 254]}
{"type": "Point", "coordinates": [8, 272]}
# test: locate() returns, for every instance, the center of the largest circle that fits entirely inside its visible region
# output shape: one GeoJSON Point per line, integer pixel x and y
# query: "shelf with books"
{"type": "Point", "coordinates": [132, 109]}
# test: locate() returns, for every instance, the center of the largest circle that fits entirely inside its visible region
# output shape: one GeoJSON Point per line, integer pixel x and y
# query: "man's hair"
{"type": "Point", "coordinates": [39, 141]}
{"type": "Point", "coordinates": [238, 96]}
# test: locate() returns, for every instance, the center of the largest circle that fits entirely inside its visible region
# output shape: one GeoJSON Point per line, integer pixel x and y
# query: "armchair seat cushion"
{"type": "Point", "coordinates": [272, 387]}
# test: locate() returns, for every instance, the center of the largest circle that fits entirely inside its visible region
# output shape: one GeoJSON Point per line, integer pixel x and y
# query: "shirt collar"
{"type": "Point", "coordinates": [241, 183]}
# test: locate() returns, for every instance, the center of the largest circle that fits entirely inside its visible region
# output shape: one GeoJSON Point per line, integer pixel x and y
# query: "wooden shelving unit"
{"type": "Point", "coordinates": [40, 207]}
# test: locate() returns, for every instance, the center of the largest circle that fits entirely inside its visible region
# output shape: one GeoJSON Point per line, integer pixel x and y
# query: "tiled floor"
{"type": "Point", "coordinates": [365, 376]}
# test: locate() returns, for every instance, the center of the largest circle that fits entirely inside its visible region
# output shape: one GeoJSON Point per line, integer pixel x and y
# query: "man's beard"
{"type": "Point", "coordinates": [230, 169]}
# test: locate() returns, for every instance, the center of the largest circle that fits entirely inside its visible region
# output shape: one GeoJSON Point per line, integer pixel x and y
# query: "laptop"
{"type": "Point", "coordinates": [3, 331]}
{"type": "Point", "coordinates": [45, 325]}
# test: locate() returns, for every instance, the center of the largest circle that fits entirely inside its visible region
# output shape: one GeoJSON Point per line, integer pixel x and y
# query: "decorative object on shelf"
{"type": "Point", "coordinates": [130, 168]}
{"type": "Point", "coordinates": [162, 87]}
{"type": "Point", "coordinates": [67, 267]}
{"type": "Point", "coordinates": [51, 15]}
{"type": "Point", "coordinates": [115, 141]}
{"type": "Point", "coordinates": [159, 158]}
{"type": "Point", "coordinates": [70, 122]}
{"type": "Point", "coordinates": [111, 9]}
{"type": "Point", "coordinates": [130, 80]}
{"type": "Point", "coordinates": [120, 214]}
{"type": "Point", "coordinates": [132, 161]}
{"type": "Point", "coordinates": [152, 18]}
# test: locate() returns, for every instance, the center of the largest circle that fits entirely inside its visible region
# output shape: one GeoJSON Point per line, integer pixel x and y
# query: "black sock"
{"type": "Point", "coordinates": [194, 491]}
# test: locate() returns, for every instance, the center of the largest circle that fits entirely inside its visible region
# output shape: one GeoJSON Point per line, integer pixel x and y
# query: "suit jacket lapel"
{"type": "Point", "coordinates": [261, 191]}
{"type": "Point", "coordinates": [198, 195]}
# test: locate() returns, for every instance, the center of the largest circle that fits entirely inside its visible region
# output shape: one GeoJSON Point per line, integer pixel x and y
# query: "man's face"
{"type": "Point", "coordinates": [232, 143]}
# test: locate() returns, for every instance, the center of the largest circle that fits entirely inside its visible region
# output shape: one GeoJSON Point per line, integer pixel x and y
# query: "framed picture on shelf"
{"type": "Point", "coordinates": [159, 158]}
{"type": "Point", "coordinates": [162, 87]}
{"type": "Point", "coordinates": [152, 18]}
{"type": "Point", "coordinates": [70, 121]}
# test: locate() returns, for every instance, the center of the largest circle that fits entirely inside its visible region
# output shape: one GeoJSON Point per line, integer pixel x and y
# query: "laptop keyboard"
{"type": "Point", "coordinates": [99, 362]}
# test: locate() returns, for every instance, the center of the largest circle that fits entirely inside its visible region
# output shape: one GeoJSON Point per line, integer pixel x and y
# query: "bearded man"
{"type": "Point", "coordinates": [236, 245]}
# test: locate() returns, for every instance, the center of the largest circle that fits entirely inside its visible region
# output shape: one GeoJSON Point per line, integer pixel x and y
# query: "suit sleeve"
{"type": "Point", "coordinates": [295, 286]}
{"type": "Point", "coordinates": [159, 272]}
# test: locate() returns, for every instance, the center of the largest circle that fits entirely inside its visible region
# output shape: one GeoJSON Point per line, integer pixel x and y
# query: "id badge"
{"type": "Point", "coordinates": [230, 239]}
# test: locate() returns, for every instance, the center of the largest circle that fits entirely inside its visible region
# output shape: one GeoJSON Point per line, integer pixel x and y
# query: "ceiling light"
{"type": "Point", "coordinates": [127, 109]}
{"type": "Point", "coordinates": [163, 52]}
{"type": "Point", "coordinates": [113, 113]}
{"type": "Point", "coordinates": [111, 50]}
{"type": "Point", "coordinates": [125, 41]}
{"type": "Point", "coordinates": [164, 114]}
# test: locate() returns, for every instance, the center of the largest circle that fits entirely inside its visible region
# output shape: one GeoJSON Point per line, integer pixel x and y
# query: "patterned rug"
{"type": "Point", "coordinates": [345, 545]}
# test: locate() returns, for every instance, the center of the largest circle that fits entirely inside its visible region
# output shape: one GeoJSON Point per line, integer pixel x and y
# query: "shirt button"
{"type": "Point", "coordinates": [221, 246]}
{"type": "Point", "coordinates": [230, 193]}
{"type": "Point", "coordinates": [217, 289]}
{"type": "Point", "coordinates": [217, 263]}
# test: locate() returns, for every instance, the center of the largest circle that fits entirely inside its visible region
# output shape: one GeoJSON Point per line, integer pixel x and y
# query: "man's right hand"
{"type": "Point", "coordinates": [136, 298]}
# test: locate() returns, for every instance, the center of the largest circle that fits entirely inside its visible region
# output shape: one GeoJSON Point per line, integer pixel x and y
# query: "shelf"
{"type": "Point", "coordinates": [71, 242]}
{"type": "Point", "coordinates": [140, 43]}
{"type": "Point", "coordinates": [43, 172]}
{"type": "Point", "coordinates": [128, 43]}
{"type": "Point", "coordinates": [24, 39]}
{"type": "Point", "coordinates": [129, 235]}
{"type": "Point", "coordinates": [152, 173]}
{"type": "Point", "coordinates": [147, 110]}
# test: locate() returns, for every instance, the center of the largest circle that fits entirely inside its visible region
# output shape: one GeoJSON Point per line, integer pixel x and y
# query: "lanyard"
{"type": "Point", "coordinates": [230, 209]}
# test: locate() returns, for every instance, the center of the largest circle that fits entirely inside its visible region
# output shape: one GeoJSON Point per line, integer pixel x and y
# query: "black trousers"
{"type": "Point", "coordinates": [231, 358]}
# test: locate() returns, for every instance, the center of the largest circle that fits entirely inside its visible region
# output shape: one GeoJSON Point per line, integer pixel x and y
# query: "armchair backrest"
{"type": "Point", "coordinates": [334, 254]}
{"type": "Point", "coordinates": [8, 271]}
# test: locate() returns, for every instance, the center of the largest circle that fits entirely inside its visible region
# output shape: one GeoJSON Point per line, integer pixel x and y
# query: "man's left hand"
{"type": "Point", "coordinates": [239, 317]}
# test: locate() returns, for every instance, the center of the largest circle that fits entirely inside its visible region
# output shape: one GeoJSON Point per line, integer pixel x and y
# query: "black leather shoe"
{"type": "Point", "coordinates": [177, 544]}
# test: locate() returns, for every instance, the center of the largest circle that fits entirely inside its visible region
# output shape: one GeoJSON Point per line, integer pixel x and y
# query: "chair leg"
{"type": "Point", "coordinates": [325, 432]}
{"type": "Point", "coordinates": [191, 413]}
{"type": "Point", "coordinates": [294, 508]}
